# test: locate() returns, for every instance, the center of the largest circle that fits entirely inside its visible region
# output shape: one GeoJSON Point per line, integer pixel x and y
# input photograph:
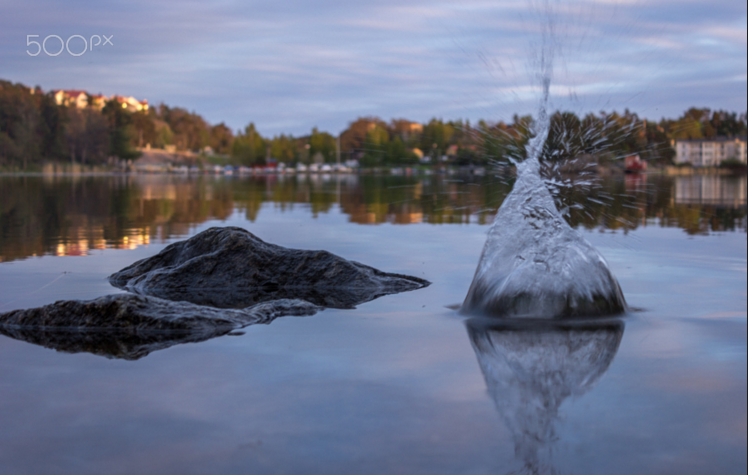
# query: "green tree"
{"type": "Point", "coordinates": [376, 146]}
{"type": "Point", "coordinates": [324, 143]}
{"type": "Point", "coordinates": [19, 118]}
{"type": "Point", "coordinates": [690, 126]}
{"type": "Point", "coordinates": [51, 128]}
{"type": "Point", "coordinates": [398, 154]}
{"type": "Point", "coordinates": [248, 147]}
{"type": "Point", "coordinates": [285, 149]}
{"type": "Point", "coordinates": [120, 130]}
{"type": "Point", "coordinates": [436, 137]}
{"type": "Point", "coordinates": [164, 134]}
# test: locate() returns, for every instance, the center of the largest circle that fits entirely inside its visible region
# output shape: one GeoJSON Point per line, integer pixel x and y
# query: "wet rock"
{"type": "Point", "coordinates": [131, 326]}
{"type": "Point", "coordinates": [218, 281]}
{"type": "Point", "coordinates": [534, 265]}
{"type": "Point", "coordinates": [137, 313]}
{"type": "Point", "coordinates": [231, 267]}
{"type": "Point", "coordinates": [341, 298]}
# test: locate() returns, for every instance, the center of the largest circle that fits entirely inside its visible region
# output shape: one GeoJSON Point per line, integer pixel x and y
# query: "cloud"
{"type": "Point", "coordinates": [291, 64]}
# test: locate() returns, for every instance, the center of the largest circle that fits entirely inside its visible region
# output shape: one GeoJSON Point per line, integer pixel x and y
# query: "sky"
{"type": "Point", "coordinates": [290, 65]}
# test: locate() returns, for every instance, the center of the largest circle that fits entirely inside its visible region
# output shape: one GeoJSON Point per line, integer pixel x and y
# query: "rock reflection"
{"type": "Point", "coordinates": [530, 370]}
{"type": "Point", "coordinates": [109, 344]}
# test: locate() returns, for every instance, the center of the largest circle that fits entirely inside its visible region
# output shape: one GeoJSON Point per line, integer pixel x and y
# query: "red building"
{"type": "Point", "coordinates": [634, 164]}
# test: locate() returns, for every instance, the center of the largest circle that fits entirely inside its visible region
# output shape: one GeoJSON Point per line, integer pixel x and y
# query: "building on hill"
{"type": "Point", "coordinates": [97, 101]}
{"type": "Point", "coordinates": [709, 153]}
{"type": "Point", "coordinates": [80, 99]}
{"type": "Point", "coordinates": [132, 104]}
{"type": "Point", "coordinates": [74, 98]}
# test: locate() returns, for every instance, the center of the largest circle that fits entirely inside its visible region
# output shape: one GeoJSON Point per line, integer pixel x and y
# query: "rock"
{"type": "Point", "coordinates": [230, 268]}
{"type": "Point", "coordinates": [534, 265]}
{"type": "Point", "coordinates": [341, 298]}
{"type": "Point", "coordinates": [131, 326]}
{"type": "Point", "coordinates": [218, 281]}
{"type": "Point", "coordinates": [530, 370]}
{"type": "Point", "coordinates": [136, 314]}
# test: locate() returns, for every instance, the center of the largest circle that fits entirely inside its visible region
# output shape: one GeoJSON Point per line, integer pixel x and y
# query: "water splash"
{"type": "Point", "coordinates": [534, 264]}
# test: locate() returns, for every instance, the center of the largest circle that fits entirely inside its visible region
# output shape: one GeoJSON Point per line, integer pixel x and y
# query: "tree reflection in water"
{"type": "Point", "coordinates": [531, 369]}
{"type": "Point", "coordinates": [74, 215]}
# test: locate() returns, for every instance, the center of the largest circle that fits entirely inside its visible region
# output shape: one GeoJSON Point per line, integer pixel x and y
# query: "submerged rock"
{"type": "Point", "coordinates": [231, 267]}
{"type": "Point", "coordinates": [131, 326]}
{"type": "Point", "coordinates": [535, 265]}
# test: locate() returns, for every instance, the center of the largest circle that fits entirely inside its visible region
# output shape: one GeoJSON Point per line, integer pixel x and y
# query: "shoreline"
{"type": "Point", "coordinates": [51, 170]}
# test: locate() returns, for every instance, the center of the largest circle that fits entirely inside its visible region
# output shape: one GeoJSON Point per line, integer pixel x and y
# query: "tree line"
{"type": "Point", "coordinates": [34, 129]}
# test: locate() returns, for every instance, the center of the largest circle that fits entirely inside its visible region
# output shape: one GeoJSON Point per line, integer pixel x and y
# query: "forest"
{"type": "Point", "coordinates": [35, 129]}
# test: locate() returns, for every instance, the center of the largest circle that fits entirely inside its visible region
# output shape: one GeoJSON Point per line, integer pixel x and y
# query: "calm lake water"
{"type": "Point", "coordinates": [403, 384]}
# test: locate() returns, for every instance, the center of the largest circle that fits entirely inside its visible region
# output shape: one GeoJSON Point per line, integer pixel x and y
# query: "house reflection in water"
{"type": "Point", "coordinates": [711, 190]}
{"type": "Point", "coordinates": [84, 244]}
{"type": "Point", "coordinates": [531, 369]}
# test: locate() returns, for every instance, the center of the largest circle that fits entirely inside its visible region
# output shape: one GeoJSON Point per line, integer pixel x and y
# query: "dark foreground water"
{"type": "Point", "coordinates": [401, 385]}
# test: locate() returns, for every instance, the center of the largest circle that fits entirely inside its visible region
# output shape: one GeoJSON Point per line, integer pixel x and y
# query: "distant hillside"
{"type": "Point", "coordinates": [38, 127]}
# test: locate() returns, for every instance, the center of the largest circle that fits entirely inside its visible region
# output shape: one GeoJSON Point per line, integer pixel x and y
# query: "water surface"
{"type": "Point", "coordinates": [402, 384]}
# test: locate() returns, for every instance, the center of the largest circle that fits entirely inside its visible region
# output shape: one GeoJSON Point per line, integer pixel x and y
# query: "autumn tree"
{"type": "Point", "coordinates": [144, 129]}
{"type": "Point", "coordinates": [221, 139]}
{"type": "Point", "coordinates": [87, 136]}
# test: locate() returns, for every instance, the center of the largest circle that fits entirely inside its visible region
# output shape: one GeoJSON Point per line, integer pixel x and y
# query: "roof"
{"type": "Point", "coordinates": [74, 92]}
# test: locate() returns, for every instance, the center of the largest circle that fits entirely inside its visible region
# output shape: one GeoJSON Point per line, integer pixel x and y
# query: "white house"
{"type": "Point", "coordinates": [132, 104]}
{"type": "Point", "coordinates": [709, 153]}
{"type": "Point", "coordinates": [80, 100]}
{"type": "Point", "coordinates": [72, 98]}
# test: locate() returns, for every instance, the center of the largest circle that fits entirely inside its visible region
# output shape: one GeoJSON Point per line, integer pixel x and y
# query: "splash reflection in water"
{"type": "Point", "coordinates": [531, 369]}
